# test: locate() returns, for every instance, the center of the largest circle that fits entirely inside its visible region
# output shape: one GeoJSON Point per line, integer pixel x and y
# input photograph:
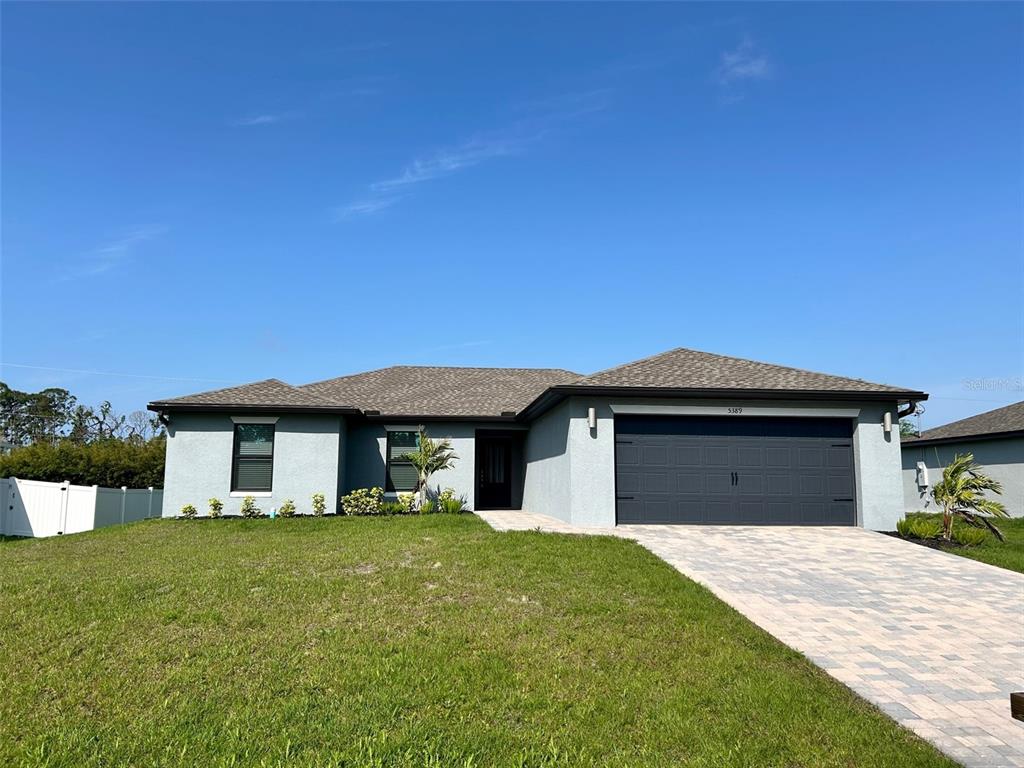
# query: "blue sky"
{"type": "Point", "coordinates": [219, 193]}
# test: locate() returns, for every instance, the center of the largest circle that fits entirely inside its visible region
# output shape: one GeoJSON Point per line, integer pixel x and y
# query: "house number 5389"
{"type": "Point", "coordinates": [734, 410]}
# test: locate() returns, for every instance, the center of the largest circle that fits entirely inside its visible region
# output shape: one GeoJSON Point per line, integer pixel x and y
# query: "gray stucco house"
{"type": "Point", "coordinates": [996, 438]}
{"type": "Point", "coordinates": [681, 437]}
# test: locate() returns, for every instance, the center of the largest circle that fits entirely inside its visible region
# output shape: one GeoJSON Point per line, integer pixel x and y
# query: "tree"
{"type": "Point", "coordinates": [961, 493]}
{"type": "Point", "coordinates": [429, 457]}
{"type": "Point", "coordinates": [907, 428]}
{"type": "Point", "coordinates": [33, 417]}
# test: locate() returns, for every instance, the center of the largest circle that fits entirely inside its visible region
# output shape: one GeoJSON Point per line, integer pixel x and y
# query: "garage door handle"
{"type": "Point", "coordinates": [628, 498]}
{"type": "Point", "coordinates": [842, 499]}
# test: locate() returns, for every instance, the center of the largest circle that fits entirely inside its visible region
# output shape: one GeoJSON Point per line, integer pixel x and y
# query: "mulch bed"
{"type": "Point", "coordinates": [940, 544]}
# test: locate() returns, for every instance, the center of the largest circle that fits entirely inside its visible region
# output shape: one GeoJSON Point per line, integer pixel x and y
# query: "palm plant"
{"type": "Point", "coordinates": [429, 457]}
{"type": "Point", "coordinates": [961, 493]}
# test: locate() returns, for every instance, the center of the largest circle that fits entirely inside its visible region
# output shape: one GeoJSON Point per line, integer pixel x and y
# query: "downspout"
{"type": "Point", "coordinates": [910, 408]}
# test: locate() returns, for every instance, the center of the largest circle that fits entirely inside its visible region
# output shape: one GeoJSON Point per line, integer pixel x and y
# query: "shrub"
{"type": "Point", "coordinates": [407, 500]}
{"type": "Point", "coordinates": [451, 504]}
{"type": "Point", "coordinates": [319, 504]}
{"type": "Point", "coordinates": [969, 537]}
{"type": "Point", "coordinates": [903, 527]}
{"type": "Point", "coordinates": [918, 528]}
{"type": "Point", "coordinates": [188, 512]}
{"type": "Point", "coordinates": [363, 501]}
{"type": "Point", "coordinates": [109, 463]}
{"type": "Point", "coordinates": [428, 507]}
{"type": "Point", "coordinates": [216, 507]}
{"type": "Point", "coordinates": [287, 508]}
{"type": "Point", "coordinates": [394, 508]}
{"type": "Point", "coordinates": [249, 508]}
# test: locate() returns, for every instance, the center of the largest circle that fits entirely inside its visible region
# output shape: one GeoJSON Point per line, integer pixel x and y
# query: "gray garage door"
{"type": "Point", "coordinates": [734, 470]}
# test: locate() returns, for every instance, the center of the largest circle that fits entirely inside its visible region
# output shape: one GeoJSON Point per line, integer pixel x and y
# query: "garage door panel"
{"type": "Point", "coordinates": [749, 456]}
{"type": "Point", "coordinates": [655, 482]}
{"type": "Point", "coordinates": [716, 456]}
{"type": "Point", "coordinates": [655, 455]}
{"type": "Point", "coordinates": [725, 471]}
{"type": "Point", "coordinates": [747, 483]}
{"type": "Point", "coordinates": [687, 455]}
{"type": "Point", "coordinates": [689, 483]}
{"type": "Point", "coordinates": [718, 483]}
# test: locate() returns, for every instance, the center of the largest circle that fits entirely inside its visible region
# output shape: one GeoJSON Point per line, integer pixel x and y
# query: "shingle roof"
{"type": "Point", "coordinates": [1008, 419]}
{"type": "Point", "coordinates": [439, 391]}
{"type": "Point", "coordinates": [432, 391]}
{"type": "Point", "coordinates": [268, 393]}
{"type": "Point", "coordinates": [690, 369]}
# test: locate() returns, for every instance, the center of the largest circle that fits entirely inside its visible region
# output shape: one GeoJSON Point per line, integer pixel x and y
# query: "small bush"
{"type": "Point", "coordinates": [428, 507]}
{"type": "Point", "coordinates": [287, 508]}
{"type": "Point", "coordinates": [319, 504]}
{"type": "Point", "coordinates": [407, 500]}
{"type": "Point", "coordinates": [451, 504]}
{"type": "Point", "coordinates": [394, 508]}
{"type": "Point", "coordinates": [188, 512]}
{"type": "Point", "coordinates": [969, 537]}
{"type": "Point", "coordinates": [925, 529]}
{"type": "Point", "coordinates": [903, 527]}
{"type": "Point", "coordinates": [363, 501]}
{"type": "Point", "coordinates": [249, 508]}
{"type": "Point", "coordinates": [216, 507]}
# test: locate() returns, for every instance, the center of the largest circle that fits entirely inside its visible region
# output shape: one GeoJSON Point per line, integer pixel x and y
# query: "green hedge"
{"type": "Point", "coordinates": [110, 463]}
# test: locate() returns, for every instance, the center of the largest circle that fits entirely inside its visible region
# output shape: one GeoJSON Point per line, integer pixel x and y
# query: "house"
{"type": "Point", "coordinates": [995, 438]}
{"type": "Point", "coordinates": [681, 437]}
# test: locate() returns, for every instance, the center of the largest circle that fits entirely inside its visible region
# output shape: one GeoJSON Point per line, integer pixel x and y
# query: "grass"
{"type": "Point", "coordinates": [1008, 554]}
{"type": "Point", "coordinates": [427, 641]}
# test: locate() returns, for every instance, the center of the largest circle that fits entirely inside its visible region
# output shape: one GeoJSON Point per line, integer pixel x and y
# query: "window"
{"type": "Point", "coordinates": [252, 464]}
{"type": "Point", "coordinates": [401, 473]}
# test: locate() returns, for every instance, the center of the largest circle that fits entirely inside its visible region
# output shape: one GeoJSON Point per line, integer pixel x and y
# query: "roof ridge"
{"type": "Point", "coordinates": [435, 367]}
{"type": "Point", "coordinates": [742, 360]}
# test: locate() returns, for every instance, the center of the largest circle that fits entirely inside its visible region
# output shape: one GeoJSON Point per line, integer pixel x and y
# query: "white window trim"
{"type": "Point", "coordinates": [394, 428]}
{"type": "Point", "coordinates": [255, 419]}
{"type": "Point", "coordinates": [254, 494]}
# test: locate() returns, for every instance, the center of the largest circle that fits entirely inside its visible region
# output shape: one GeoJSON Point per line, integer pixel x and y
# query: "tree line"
{"type": "Point", "coordinates": [48, 435]}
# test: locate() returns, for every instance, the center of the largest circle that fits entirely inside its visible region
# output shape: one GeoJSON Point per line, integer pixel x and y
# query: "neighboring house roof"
{"type": "Point", "coordinates": [272, 393]}
{"type": "Point", "coordinates": [437, 392]}
{"type": "Point", "coordinates": [1002, 422]}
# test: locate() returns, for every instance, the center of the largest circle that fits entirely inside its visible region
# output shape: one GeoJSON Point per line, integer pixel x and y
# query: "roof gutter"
{"type": "Point", "coordinates": [207, 408]}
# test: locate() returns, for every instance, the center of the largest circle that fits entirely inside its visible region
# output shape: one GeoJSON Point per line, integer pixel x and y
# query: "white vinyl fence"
{"type": "Point", "coordinates": [35, 508]}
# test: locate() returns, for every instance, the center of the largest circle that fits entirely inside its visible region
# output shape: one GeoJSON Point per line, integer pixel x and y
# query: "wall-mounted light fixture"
{"type": "Point", "coordinates": [592, 418]}
{"type": "Point", "coordinates": [887, 422]}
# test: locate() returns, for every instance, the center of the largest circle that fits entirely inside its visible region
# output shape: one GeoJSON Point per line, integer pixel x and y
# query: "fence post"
{"type": "Point", "coordinates": [124, 497]}
{"type": "Point", "coordinates": [149, 513]}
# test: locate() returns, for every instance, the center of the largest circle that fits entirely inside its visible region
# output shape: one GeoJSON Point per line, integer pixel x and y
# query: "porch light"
{"type": "Point", "coordinates": [592, 418]}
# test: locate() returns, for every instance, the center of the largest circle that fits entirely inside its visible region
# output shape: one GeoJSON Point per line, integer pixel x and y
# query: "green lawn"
{"type": "Point", "coordinates": [429, 641]}
{"type": "Point", "coordinates": [1008, 554]}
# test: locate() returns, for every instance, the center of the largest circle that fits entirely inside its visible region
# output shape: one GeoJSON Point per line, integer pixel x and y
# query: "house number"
{"type": "Point", "coordinates": [734, 410]}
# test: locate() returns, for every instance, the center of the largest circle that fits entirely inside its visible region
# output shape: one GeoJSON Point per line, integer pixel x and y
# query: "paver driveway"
{"type": "Point", "coordinates": [934, 640]}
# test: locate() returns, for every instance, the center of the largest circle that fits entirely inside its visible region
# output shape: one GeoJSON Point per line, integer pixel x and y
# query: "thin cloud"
{"type": "Point", "coordinates": [743, 63]}
{"type": "Point", "coordinates": [366, 207]}
{"type": "Point", "coordinates": [113, 253]}
{"type": "Point", "coordinates": [540, 119]}
{"type": "Point", "coordinates": [268, 118]}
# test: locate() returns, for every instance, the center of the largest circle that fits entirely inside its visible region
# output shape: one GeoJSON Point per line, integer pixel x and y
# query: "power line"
{"type": "Point", "coordinates": [112, 373]}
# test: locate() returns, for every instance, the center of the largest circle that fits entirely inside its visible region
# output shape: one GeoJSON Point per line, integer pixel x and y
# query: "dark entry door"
{"type": "Point", "coordinates": [493, 472]}
{"type": "Point", "coordinates": [734, 470]}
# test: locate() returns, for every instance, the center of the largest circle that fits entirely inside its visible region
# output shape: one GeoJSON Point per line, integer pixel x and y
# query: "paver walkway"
{"type": "Point", "coordinates": [934, 640]}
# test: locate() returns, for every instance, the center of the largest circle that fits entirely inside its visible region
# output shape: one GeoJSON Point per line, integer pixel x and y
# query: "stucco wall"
{"type": "Point", "coordinates": [547, 487]}
{"type": "Point", "coordinates": [589, 481]}
{"type": "Point", "coordinates": [1002, 459]}
{"type": "Point", "coordinates": [366, 448]}
{"type": "Point", "coordinates": [307, 451]}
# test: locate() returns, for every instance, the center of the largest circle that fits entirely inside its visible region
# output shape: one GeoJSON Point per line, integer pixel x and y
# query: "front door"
{"type": "Point", "coordinates": [493, 472]}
